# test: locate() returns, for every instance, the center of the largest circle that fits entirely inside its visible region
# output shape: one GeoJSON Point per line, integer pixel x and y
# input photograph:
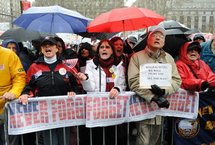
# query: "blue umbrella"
{"type": "Point", "coordinates": [52, 19]}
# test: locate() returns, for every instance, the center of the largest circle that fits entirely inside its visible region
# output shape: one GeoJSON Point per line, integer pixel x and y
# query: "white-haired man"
{"type": "Point", "coordinates": [149, 130]}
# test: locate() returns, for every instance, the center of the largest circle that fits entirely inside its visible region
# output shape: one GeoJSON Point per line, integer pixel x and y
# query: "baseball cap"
{"type": "Point", "coordinates": [157, 29]}
{"type": "Point", "coordinates": [194, 46]}
{"type": "Point", "coordinates": [48, 40]}
{"type": "Point", "coordinates": [199, 36]}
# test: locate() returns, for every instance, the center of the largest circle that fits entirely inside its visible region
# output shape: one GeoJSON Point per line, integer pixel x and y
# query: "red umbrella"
{"type": "Point", "coordinates": [124, 19]}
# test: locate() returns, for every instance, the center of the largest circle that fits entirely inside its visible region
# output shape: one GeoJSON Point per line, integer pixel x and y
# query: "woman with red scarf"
{"type": "Point", "coordinates": [104, 73]}
{"type": "Point", "coordinates": [196, 75]}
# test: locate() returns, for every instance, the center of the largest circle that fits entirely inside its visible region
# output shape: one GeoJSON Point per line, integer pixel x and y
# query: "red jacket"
{"type": "Point", "coordinates": [199, 67]}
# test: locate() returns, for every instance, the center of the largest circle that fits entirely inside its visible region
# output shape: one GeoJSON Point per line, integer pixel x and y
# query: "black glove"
{"type": "Point", "coordinates": [210, 92]}
{"type": "Point", "coordinates": [204, 85]}
{"type": "Point", "coordinates": [157, 90]}
{"type": "Point", "coordinates": [161, 102]}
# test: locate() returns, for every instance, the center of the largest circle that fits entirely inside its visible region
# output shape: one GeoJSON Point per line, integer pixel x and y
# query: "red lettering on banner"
{"type": "Point", "coordinates": [104, 108]}
{"type": "Point", "coordinates": [70, 109]}
{"type": "Point", "coordinates": [36, 117]}
{"type": "Point", "coordinates": [80, 108]}
{"type": "Point", "coordinates": [193, 103]}
{"type": "Point", "coordinates": [144, 109]}
{"type": "Point", "coordinates": [135, 108]}
{"type": "Point", "coordinates": [28, 119]}
{"type": "Point", "coordinates": [112, 109]}
{"type": "Point", "coordinates": [187, 104]}
{"type": "Point", "coordinates": [104, 114]}
{"type": "Point", "coordinates": [96, 108]}
{"type": "Point", "coordinates": [19, 122]}
{"type": "Point", "coordinates": [173, 104]}
{"type": "Point", "coordinates": [12, 121]}
{"type": "Point", "coordinates": [120, 107]}
{"type": "Point", "coordinates": [54, 110]}
{"type": "Point", "coordinates": [43, 111]}
{"type": "Point", "coordinates": [152, 106]}
{"type": "Point", "coordinates": [89, 107]}
{"type": "Point", "coordinates": [62, 109]}
{"type": "Point", "coordinates": [181, 102]}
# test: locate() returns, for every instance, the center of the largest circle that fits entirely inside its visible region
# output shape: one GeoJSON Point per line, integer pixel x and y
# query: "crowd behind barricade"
{"type": "Point", "coordinates": [53, 70]}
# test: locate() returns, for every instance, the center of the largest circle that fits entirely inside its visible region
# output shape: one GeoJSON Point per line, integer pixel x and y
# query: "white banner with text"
{"type": "Point", "coordinates": [93, 110]}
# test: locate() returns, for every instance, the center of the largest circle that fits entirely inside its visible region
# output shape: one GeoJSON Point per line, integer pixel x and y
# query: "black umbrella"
{"type": "Point", "coordinates": [20, 34]}
{"type": "Point", "coordinates": [172, 24]}
{"type": "Point", "coordinates": [97, 35]}
{"type": "Point", "coordinates": [173, 43]}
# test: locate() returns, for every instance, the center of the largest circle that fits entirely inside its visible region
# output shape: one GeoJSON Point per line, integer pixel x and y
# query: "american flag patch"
{"type": "Point", "coordinates": [1, 66]}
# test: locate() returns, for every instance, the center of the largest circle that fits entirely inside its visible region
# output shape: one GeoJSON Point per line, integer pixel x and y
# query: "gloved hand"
{"type": "Point", "coordinates": [204, 85]}
{"type": "Point", "coordinates": [161, 102]}
{"type": "Point", "coordinates": [210, 92]}
{"type": "Point", "coordinates": [157, 90]}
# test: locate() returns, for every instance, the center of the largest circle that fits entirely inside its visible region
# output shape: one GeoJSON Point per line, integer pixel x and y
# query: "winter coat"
{"type": "Point", "coordinates": [46, 81]}
{"type": "Point", "coordinates": [12, 75]}
{"type": "Point", "coordinates": [97, 75]}
{"type": "Point", "coordinates": [143, 57]}
{"type": "Point", "coordinates": [207, 55]}
{"type": "Point", "coordinates": [199, 67]}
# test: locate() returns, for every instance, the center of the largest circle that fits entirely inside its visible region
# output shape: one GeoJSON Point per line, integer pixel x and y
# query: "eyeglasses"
{"type": "Point", "coordinates": [157, 35]}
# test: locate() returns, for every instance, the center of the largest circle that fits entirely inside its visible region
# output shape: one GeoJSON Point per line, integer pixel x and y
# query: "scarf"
{"type": "Point", "coordinates": [106, 65]}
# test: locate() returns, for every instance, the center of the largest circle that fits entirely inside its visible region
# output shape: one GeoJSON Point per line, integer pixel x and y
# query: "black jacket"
{"type": "Point", "coordinates": [49, 79]}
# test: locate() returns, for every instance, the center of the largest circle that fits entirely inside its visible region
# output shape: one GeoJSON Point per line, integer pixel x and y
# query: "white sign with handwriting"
{"type": "Point", "coordinates": [155, 73]}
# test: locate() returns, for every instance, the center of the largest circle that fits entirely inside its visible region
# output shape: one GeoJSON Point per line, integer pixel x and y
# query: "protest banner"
{"type": "Point", "coordinates": [93, 110]}
{"type": "Point", "coordinates": [182, 103]}
{"type": "Point", "coordinates": [46, 113]}
{"type": "Point", "coordinates": [200, 131]}
{"type": "Point", "coordinates": [103, 111]}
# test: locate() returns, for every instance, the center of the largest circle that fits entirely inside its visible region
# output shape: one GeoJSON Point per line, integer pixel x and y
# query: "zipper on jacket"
{"type": "Point", "coordinates": [52, 78]}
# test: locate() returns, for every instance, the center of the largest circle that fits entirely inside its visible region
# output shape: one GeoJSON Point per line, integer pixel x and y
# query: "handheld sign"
{"type": "Point", "coordinates": [155, 73]}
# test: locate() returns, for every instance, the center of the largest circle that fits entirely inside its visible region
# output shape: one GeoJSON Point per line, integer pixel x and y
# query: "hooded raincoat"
{"type": "Point", "coordinates": [199, 67]}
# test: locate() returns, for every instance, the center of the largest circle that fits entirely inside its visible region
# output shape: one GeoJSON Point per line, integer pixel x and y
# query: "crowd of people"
{"type": "Point", "coordinates": [113, 67]}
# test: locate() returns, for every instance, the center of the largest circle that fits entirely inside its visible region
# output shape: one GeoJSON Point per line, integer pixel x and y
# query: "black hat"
{"type": "Point", "coordinates": [194, 46]}
{"type": "Point", "coordinates": [49, 40]}
{"type": "Point", "coordinates": [199, 36]}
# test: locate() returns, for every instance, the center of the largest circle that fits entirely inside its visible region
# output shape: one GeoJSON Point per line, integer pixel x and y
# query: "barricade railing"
{"type": "Point", "coordinates": [91, 110]}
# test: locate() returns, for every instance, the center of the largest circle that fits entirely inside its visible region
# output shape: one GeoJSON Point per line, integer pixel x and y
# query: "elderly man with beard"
{"type": "Point", "coordinates": [149, 130]}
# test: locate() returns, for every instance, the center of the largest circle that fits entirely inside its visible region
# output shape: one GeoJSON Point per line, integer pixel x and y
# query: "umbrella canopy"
{"type": "Point", "coordinates": [20, 35]}
{"type": "Point", "coordinates": [124, 19]}
{"type": "Point", "coordinates": [172, 24]}
{"type": "Point", "coordinates": [52, 19]}
{"type": "Point", "coordinates": [173, 42]}
{"type": "Point", "coordinates": [97, 35]}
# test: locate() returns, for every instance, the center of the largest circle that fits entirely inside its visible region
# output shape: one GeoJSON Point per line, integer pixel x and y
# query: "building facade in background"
{"type": "Point", "coordinates": [196, 14]}
{"type": "Point", "coordinates": [9, 10]}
